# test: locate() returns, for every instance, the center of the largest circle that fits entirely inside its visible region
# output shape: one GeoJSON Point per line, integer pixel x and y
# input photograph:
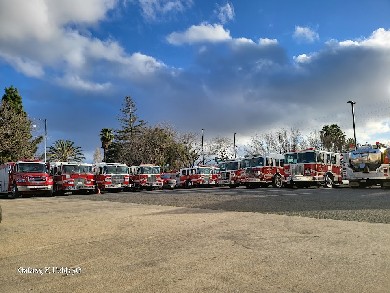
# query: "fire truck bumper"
{"type": "Point", "coordinates": [153, 184]}
{"type": "Point", "coordinates": [253, 180]}
{"type": "Point", "coordinates": [35, 188]}
{"type": "Point", "coordinates": [303, 179]}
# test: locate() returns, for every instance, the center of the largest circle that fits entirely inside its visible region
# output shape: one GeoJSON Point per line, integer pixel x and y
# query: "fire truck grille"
{"type": "Point", "coordinates": [152, 178]}
{"type": "Point", "coordinates": [36, 179]}
{"type": "Point", "coordinates": [117, 179]}
{"type": "Point", "coordinates": [297, 170]}
{"type": "Point", "coordinates": [79, 181]}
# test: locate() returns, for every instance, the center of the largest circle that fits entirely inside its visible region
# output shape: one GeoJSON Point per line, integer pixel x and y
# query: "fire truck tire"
{"type": "Point", "coordinates": [328, 181]}
{"type": "Point", "coordinates": [188, 184]}
{"type": "Point", "coordinates": [277, 181]}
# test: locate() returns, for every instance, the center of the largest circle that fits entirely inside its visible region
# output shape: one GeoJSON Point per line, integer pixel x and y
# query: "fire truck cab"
{"type": "Point", "coordinates": [72, 177]}
{"type": "Point", "coordinates": [146, 176]}
{"type": "Point", "coordinates": [312, 167]}
{"type": "Point", "coordinates": [230, 173]}
{"type": "Point", "coordinates": [185, 177]}
{"type": "Point", "coordinates": [264, 171]}
{"type": "Point", "coordinates": [112, 177]}
{"type": "Point", "coordinates": [25, 177]}
{"type": "Point", "coordinates": [368, 166]}
{"type": "Point", "coordinates": [198, 176]}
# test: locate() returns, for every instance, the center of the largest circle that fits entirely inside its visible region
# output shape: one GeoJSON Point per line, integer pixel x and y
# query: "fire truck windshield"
{"type": "Point", "coordinates": [31, 168]}
{"type": "Point", "coordinates": [115, 170]}
{"type": "Point", "coordinates": [231, 166]}
{"type": "Point", "coordinates": [256, 162]}
{"type": "Point", "coordinates": [222, 166]}
{"type": "Point", "coordinates": [306, 157]}
{"type": "Point", "coordinates": [204, 171]}
{"type": "Point", "coordinates": [149, 170]}
{"type": "Point", "coordinates": [69, 169]}
{"type": "Point", "coordinates": [291, 158]}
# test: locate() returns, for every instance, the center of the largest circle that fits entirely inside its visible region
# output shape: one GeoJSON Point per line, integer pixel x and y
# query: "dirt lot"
{"type": "Point", "coordinates": [72, 245]}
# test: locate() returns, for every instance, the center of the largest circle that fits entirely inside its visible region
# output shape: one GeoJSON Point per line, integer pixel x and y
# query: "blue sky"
{"type": "Point", "coordinates": [239, 66]}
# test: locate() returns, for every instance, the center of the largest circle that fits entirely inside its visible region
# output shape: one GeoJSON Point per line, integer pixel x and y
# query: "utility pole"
{"type": "Point", "coordinates": [353, 121]}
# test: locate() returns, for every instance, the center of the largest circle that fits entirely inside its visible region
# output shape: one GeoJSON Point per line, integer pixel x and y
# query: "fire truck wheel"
{"type": "Point", "coordinates": [188, 184]}
{"type": "Point", "coordinates": [328, 181]}
{"type": "Point", "coordinates": [277, 181]}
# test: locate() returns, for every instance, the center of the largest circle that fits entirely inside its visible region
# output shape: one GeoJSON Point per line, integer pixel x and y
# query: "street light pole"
{"type": "Point", "coordinates": [353, 120]}
{"type": "Point", "coordinates": [202, 146]}
{"type": "Point", "coordinates": [234, 145]}
{"type": "Point", "coordinates": [45, 138]}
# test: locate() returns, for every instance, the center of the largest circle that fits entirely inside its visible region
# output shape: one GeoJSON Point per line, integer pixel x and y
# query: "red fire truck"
{"type": "Point", "coordinates": [264, 171]}
{"type": "Point", "coordinates": [231, 173]}
{"type": "Point", "coordinates": [73, 177]}
{"type": "Point", "coordinates": [198, 176]}
{"type": "Point", "coordinates": [184, 178]}
{"type": "Point", "coordinates": [312, 167]}
{"type": "Point", "coordinates": [368, 166]}
{"type": "Point", "coordinates": [146, 176]}
{"type": "Point", "coordinates": [25, 177]}
{"type": "Point", "coordinates": [112, 177]}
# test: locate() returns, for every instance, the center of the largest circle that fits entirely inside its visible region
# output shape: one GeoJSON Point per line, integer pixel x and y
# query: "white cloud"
{"type": "Point", "coordinates": [74, 81]}
{"type": "Point", "coordinates": [225, 13]}
{"type": "Point", "coordinates": [305, 34]}
{"type": "Point", "coordinates": [303, 58]}
{"type": "Point", "coordinates": [36, 38]}
{"type": "Point", "coordinates": [210, 33]}
{"type": "Point", "coordinates": [27, 67]}
{"type": "Point", "coordinates": [153, 10]}
{"type": "Point", "coordinates": [267, 42]}
{"type": "Point", "coordinates": [379, 38]}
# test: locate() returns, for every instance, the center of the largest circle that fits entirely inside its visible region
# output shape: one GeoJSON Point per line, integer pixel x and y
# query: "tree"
{"type": "Point", "coordinates": [65, 151]}
{"type": "Point", "coordinates": [97, 156]}
{"type": "Point", "coordinates": [280, 141]}
{"type": "Point", "coordinates": [106, 137]}
{"type": "Point", "coordinates": [332, 138]}
{"type": "Point", "coordinates": [13, 99]}
{"type": "Point", "coordinates": [16, 140]}
{"type": "Point", "coordinates": [221, 147]}
{"type": "Point", "coordinates": [127, 146]}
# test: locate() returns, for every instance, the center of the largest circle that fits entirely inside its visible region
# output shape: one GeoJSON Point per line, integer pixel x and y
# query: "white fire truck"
{"type": "Point", "coordinates": [73, 177]}
{"type": "Point", "coordinates": [368, 166]}
{"type": "Point", "coordinates": [312, 167]}
{"type": "Point", "coordinates": [112, 177]}
{"type": "Point", "coordinates": [264, 171]}
{"type": "Point", "coordinates": [231, 173]}
{"type": "Point", "coordinates": [146, 176]}
{"type": "Point", "coordinates": [25, 177]}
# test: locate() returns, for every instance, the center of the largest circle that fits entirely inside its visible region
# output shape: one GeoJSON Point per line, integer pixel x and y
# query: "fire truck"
{"type": "Point", "coordinates": [25, 177]}
{"type": "Point", "coordinates": [184, 178]}
{"type": "Point", "coordinates": [231, 173]}
{"type": "Point", "coordinates": [198, 176]}
{"type": "Point", "coordinates": [264, 171]}
{"type": "Point", "coordinates": [368, 166]}
{"type": "Point", "coordinates": [112, 177]}
{"type": "Point", "coordinates": [312, 167]}
{"type": "Point", "coordinates": [72, 177]}
{"type": "Point", "coordinates": [146, 176]}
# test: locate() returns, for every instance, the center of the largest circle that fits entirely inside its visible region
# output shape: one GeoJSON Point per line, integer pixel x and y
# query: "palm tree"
{"type": "Point", "coordinates": [106, 137]}
{"type": "Point", "coordinates": [64, 151]}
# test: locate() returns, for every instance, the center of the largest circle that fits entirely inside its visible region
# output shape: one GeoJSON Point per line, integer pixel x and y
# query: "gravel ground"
{"type": "Point", "coordinates": [362, 205]}
{"type": "Point", "coordinates": [71, 244]}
